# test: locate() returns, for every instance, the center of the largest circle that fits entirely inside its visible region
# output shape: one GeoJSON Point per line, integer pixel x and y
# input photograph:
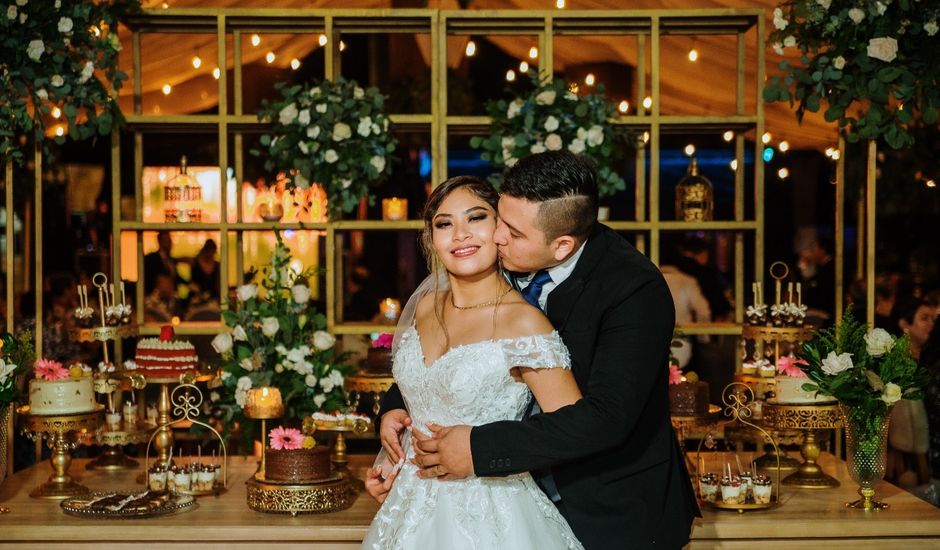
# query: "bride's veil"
{"type": "Point", "coordinates": [435, 282]}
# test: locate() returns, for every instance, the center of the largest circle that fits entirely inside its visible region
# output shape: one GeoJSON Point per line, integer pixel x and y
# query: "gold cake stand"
{"type": "Point", "coordinates": [338, 456]}
{"type": "Point", "coordinates": [373, 383]}
{"type": "Point", "coordinates": [62, 433]}
{"type": "Point", "coordinates": [113, 440]}
{"type": "Point", "coordinates": [810, 419]}
{"type": "Point", "coordinates": [332, 494]}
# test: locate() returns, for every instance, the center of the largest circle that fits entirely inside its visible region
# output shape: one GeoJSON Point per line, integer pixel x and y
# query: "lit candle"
{"type": "Point", "coordinates": [390, 308]}
{"type": "Point", "coordinates": [395, 209]}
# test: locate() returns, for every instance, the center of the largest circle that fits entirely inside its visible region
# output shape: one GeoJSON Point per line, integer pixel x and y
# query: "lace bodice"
{"type": "Point", "coordinates": [471, 383]}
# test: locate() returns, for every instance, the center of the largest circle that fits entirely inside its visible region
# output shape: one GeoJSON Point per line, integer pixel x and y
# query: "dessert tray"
{"type": "Point", "coordinates": [127, 504]}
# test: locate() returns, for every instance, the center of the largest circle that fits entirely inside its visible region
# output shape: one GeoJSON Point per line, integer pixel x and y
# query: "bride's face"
{"type": "Point", "coordinates": [462, 234]}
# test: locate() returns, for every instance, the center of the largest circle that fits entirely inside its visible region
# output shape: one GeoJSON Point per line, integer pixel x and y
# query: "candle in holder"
{"type": "Point", "coordinates": [390, 309]}
{"type": "Point", "coordinates": [394, 209]}
{"type": "Point", "coordinates": [263, 403]}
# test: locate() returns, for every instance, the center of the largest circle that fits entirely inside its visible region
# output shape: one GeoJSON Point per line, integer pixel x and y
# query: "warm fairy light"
{"type": "Point", "coordinates": [269, 57]}
{"type": "Point", "coordinates": [216, 73]}
{"type": "Point", "coordinates": [829, 151]}
{"type": "Point", "coordinates": [197, 62]}
{"type": "Point", "coordinates": [765, 138]}
{"type": "Point", "coordinates": [646, 137]}
{"type": "Point", "coordinates": [783, 173]}
{"type": "Point", "coordinates": [728, 136]}
{"type": "Point", "coordinates": [255, 40]}
{"type": "Point", "coordinates": [573, 87]}
{"type": "Point", "coordinates": [95, 30]}
{"type": "Point", "coordinates": [624, 106]}
{"type": "Point", "coordinates": [165, 5]}
{"type": "Point", "coordinates": [471, 49]}
{"type": "Point", "coordinates": [56, 112]}
{"type": "Point", "coordinates": [784, 146]}
{"type": "Point", "coordinates": [533, 53]}
{"type": "Point", "coordinates": [167, 89]}
{"type": "Point", "coordinates": [930, 183]}
{"type": "Point", "coordinates": [510, 75]}
{"type": "Point", "coordinates": [689, 150]}
{"type": "Point", "coordinates": [322, 40]}
{"type": "Point", "coordinates": [693, 55]}
{"type": "Point", "coordinates": [647, 102]}
{"type": "Point", "coordinates": [295, 63]}
{"type": "Point", "coordinates": [836, 154]}
{"type": "Point", "coordinates": [560, 4]}
{"type": "Point", "coordinates": [589, 79]}
{"type": "Point", "coordinates": [733, 164]}
{"type": "Point", "coordinates": [342, 45]}
{"type": "Point", "coordinates": [59, 131]}
{"type": "Point", "coordinates": [523, 67]}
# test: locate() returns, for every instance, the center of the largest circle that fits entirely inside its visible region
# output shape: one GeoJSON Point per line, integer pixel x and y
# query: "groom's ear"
{"type": "Point", "coordinates": [563, 246]}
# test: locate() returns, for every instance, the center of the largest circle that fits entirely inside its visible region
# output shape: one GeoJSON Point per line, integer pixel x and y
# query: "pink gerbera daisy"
{"type": "Point", "coordinates": [789, 367]}
{"type": "Point", "coordinates": [675, 375]}
{"type": "Point", "coordinates": [286, 439]}
{"type": "Point", "coordinates": [47, 369]}
{"type": "Point", "coordinates": [384, 340]}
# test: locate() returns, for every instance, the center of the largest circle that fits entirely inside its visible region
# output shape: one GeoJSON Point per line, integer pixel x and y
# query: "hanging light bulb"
{"type": "Point", "coordinates": [733, 164]}
{"type": "Point", "coordinates": [269, 57]}
{"type": "Point", "coordinates": [560, 4]}
{"type": "Point", "coordinates": [322, 40]}
{"type": "Point", "coordinates": [216, 73]}
{"type": "Point", "coordinates": [523, 67]}
{"type": "Point", "coordinates": [59, 131]}
{"type": "Point", "coordinates": [295, 63]}
{"type": "Point", "coordinates": [510, 75]}
{"type": "Point", "coordinates": [197, 61]}
{"type": "Point", "coordinates": [471, 49]}
{"type": "Point", "coordinates": [533, 53]}
{"type": "Point", "coordinates": [693, 55]}
{"type": "Point", "coordinates": [766, 138]}
{"type": "Point", "coordinates": [728, 136]}
{"type": "Point", "coordinates": [255, 40]}
{"type": "Point", "coordinates": [689, 150]}
{"type": "Point", "coordinates": [589, 79]}
{"type": "Point", "coordinates": [647, 102]}
{"type": "Point", "coordinates": [167, 89]}
{"type": "Point", "coordinates": [624, 106]}
{"type": "Point", "coordinates": [836, 154]}
{"type": "Point", "coordinates": [784, 146]}
{"type": "Point", "coordinates": [56, 112]}
{"type": "Point", "coordinates": [783, 173]}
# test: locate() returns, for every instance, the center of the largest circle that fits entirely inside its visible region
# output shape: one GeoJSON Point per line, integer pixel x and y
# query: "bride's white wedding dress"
{"type": "Point", "coordinates": [470, 384]}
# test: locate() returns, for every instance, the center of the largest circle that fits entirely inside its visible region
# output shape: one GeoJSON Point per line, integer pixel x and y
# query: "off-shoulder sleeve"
{"type": "Point", "coordinates": [539, 351]}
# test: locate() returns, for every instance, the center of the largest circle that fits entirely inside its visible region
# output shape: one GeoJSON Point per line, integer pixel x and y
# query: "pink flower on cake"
{"type": "Point", "coordinates": [286, 439]}
{"type": "Point", "coordinates": [789, 367]}
{"type": "Point", "coordinates": [47, 369]}
{"type": "Point", "coordinates": [675, 375]}
{"type": "Point", "coordinates": [384, 341]}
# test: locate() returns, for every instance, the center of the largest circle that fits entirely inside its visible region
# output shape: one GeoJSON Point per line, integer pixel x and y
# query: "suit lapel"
{"type": "Point", "coordinates": [565, 295]}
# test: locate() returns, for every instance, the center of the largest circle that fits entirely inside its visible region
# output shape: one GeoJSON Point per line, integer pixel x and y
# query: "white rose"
{"type": "Point", "coordinates": [304, 148]}
{"type": "Point", "coordinates": [301, 182]}
{"type": "Point", "coordinates": [226, 375]}
{"type": "Point", "coordinates": [239, 333]}
{"type": "Point", "coordinates": [65, 24]}
{"type": "Point", "coordinates": [270, 326]}
{"type": "Point", "coordinates": [571, 96]}
{"type": "Point", "coordinates": [545, 98]}
{"type": "Point", "coordinates": [57, 81]}
{"type": "Point", "coordinates": [833, 364]}
{"type": "Point", "coordinates": [508, 142]}
{"type": "Point", "coordinates": [5, 370]}
{"type": "Point", "coordinates": [288, 114]}
{"type": "Point", "coordinates": [318, 400]}
{"type": "Point", "coordinates": [511, 161]}
{"type": "Point", "coordinates": [323, 340]}
{"type": "Point", "coordinates": [301, 293]}
{"type": "Point", "coordinates": [778, 48]}
{"type": "Point", "coordinates": [222, 343]}
{"type": "Point", "coordinates": [330, 156]}
{"type": "Point", "coordinates": [537, 148]}
{"type": "Point", "coordinates": [23, 17]}
{"type": "Point", "coordinates": [885, 49]}
{"type": "Point", "coordinates": [42, 93]}
{"type": "Point", "coordinates": [313, 132]}
{"type": "Point", "coordinates": [880, 8]}
{"type": "Point", "coordinates": [341, 131]}
{"type": "Point", "coordinates": [513, 109]}
{"type": "Point", "coordinates": [582, 134]}
{"type": "Point", "coordinates": [931, 28]}
{"type": "Point", "coordinates": [789, 42]}
{"type": "Point", "coordinates": [358, 92]}
{"type": "Point", "coordinates": [376, 129]}
{"type": "Point", "coordinates": [327, 384]}
{"type": "Point", "coordinates": [551, 124]}
{"type": "Point", "coordinates": [346, 182]}
{"type": "Point", "coordinates": [321, 108]}
{"type": "Point", "coordinates": [21, 3]}
{"type": "Point", "coordinates": [87, 71]}
{"type": "Point", "coordinates": [824, 3]}
{"type": "Point", "coordinates": [315, 91]}
{"type": "Point", "coordinates": [11, 12]}
{"type": "Point", "coordinates": [246, 292]}
{"type": "Point", "coordinates": [246, 364]}
{"type": "Point", "coordinates": [779, 21]}
{"type": "Point", "coordinates": [891, 394]}
{"type": "Point", "coordinates": [365, 127]}
{"type": "Point", "coordinates": [311, 381]}
{"type": "Point", "coordinates": [35, 49]}
{"type": "Point", "coordinates": [595, 136]}
{"type": "Point", "coordinates": [856, 15]}
{"type": "Point", "coordinates": [838, 62]}
{"type": "Point", "coordinates": [244, 383]}
{"type": "Point", "coordinates": [878, 342]}
{"type": "Point", "coordinates": [378, 162]}
{"type": "Point", "coordinates": [58, 4]}
{"type": "Point", "coordinates": [304, 117]}
{"type": "Point", "coordinates": [553, 142]}
{"type": "Point", "coordinates": [297, 355]}
{"type": "Point", "coordinates": [576, 146]}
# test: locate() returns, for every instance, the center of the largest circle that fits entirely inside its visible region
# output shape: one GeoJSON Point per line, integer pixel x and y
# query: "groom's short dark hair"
{"type": "Point", "coordinates": [566, 186]}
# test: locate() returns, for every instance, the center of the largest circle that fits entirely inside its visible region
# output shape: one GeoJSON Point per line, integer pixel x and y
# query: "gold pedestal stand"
{"type": "Point", "coordinates": [365, 382]}
{"type": "Point", "coordinates": [338, 457]}
{"type": "Point", "coordinates": [62, 433]}
{"type": "Point", "coordinates": [332, 494]}
{"type": "Point", "coordinates": [112, 457]}
{"type": "Point", "coordinates": [808, 418]}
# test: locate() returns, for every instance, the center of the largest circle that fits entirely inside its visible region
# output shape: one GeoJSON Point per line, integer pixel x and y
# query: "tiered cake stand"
{"type": "Point", "coordinates": [62, 433]}
{"type": "Point", "coordinates": [685, 426]}
{"type": "Point", "coordinates": [808, 418]}
{"type": "Point", "coordinates": [372, 383]}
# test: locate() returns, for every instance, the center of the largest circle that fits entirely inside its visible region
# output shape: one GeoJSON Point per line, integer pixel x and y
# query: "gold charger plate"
{"type": "Point", "coordinates": [742, 507]}
{"type": "Point", "coordinates": [78, 506]}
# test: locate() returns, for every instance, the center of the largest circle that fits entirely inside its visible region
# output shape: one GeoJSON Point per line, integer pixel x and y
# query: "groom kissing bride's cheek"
{"type": "Point", "coordinates": [543, 420]}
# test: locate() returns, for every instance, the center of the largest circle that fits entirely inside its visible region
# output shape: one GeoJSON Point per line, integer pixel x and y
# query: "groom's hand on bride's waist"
{"type": "Point", "coordinates": [392, 426]}
{"type": "Point", "coordinates": [445, 455]}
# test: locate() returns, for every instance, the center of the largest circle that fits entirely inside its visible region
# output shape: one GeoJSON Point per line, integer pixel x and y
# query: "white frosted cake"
{"type": "Point", "coordinates": [789, 390]}
{"type": "Point", "coordinates": [67, 396]}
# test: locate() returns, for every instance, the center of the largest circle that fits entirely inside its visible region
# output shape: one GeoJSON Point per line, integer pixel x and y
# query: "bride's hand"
{"type": "Point", "coordinates": [393, 424]}
{"type": "Point", "coordinates": [377, 486]}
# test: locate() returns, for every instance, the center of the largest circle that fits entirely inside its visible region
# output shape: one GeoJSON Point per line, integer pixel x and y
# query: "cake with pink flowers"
{"type": "Point", "coordinates": [295, 458]}
{"type": "Point", "coordinates": [54, 391]}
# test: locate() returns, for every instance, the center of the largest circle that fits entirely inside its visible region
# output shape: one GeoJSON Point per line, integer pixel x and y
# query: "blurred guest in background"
{"type": "Point", "coordinates": [159, 262]}
{"type": "Point", "coordinates": [817, 270]}
{"type": "Point", "coordinates": [930, 360]}
{"type": "Point", "coordinates": [205, 272]}
{"type": "Point", "coordinates": [695, 259]}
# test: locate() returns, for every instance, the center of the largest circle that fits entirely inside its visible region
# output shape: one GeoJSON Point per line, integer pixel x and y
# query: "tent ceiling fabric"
{"type": "Point", "coordinates": [702, 88]}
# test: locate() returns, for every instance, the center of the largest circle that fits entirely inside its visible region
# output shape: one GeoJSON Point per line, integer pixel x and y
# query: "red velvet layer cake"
{"type": "Point", "coordinates": [165, 357]}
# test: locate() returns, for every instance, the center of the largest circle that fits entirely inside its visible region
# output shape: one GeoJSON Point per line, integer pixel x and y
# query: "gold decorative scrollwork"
{"type": "Point", "coordinates": [316, 498]}
{"type": "Point", "coordinates": [803, 417]}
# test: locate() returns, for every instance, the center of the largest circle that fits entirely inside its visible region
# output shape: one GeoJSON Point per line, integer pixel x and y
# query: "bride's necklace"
{"type": "Point", "coordinates": [484, 304]}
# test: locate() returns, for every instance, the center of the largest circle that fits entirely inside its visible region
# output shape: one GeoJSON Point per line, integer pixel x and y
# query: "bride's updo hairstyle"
{"type": "Point", "coordinates": [480, 189]}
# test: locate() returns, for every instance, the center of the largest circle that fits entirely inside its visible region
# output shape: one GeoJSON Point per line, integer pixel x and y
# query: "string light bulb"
{"type": "Point", "coordinates": [560, 4]}
{"type": "Point", "coordinates": [728, 136]}
{"type": "Point", "coordinates": [589, 79]}
{"type": "Point", "coordinates": [255, 40]}
{"type": "Point", "coordinates": [59, 131]}
{"type": "Point", "coordinates": [523, 67]}
{"type": "Point", "coordinates": [689, 150]}
{"type": "Point", "coordinates": [167, 89]}
{"type": "Point", "coordinates": [930, 183]}
{"type": "Point", "coordinates": [342, 45]}
{"type": "Point", "coordinates": [533, 53]}
{"type": "Point", "coordinates": [836, 154]}
{"type": "Point", "coordinates": [56, 112]}
{"type": "Point", "coordinates": [322, 40]}
{"type": "Point", "coordinates": [647, 102]}
{"type": "Point", "coordinates": [783, 173]}
{"type": "Point", "coordinates": [216, 73]}
{"type": "Point", "coordinates": [197, 61]}
{"type": "Point", "coordinates": [510, 75]}
{"type": "Point", "coordinates": [784, 146]}
{"type": "Point", "coordinates": [269, 57]}
{"type": "Point", "coordinates": [646, 137]}
{"type": "Point", "coordinates": [734, 165]}
{"type": "Point", "coordinates": [471, 49]}
{"type": "Point", "coordinates": [295, 63]}
{"type": "Point", "coordinates": [693, 55]}
{"type": "Point", "coordinates": [765, 139]}
{"type": "Point", "coordinates": [624, 106]}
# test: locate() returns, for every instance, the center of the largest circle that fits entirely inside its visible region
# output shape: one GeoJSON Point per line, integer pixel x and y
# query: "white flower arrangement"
{"type": "Point", "coordinates": [334, 135]}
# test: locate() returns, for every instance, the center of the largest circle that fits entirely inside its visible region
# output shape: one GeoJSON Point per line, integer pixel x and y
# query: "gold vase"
{"type": "Point", "coordinates": [866, 446]}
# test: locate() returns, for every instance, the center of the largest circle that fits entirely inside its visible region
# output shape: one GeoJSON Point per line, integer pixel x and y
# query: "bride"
{"type": "Point", "coordinates": [469, 350]}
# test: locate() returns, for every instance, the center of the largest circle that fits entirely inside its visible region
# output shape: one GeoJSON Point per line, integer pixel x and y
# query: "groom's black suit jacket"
{"type": "Point", "coordinates": [613, 454]}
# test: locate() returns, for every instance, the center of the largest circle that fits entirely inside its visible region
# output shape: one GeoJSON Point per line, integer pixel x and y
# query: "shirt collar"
{"type": "Point", "coordinates": [561, 271]}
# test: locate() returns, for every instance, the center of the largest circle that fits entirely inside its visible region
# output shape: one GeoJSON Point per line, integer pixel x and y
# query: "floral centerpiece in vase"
{"type": "Point", "coordinates": [334, 134]}
{"type": "Point", "coordinates": [16, 355]}
{"type": "Point", "coordinates": [868, 371]}
{"type": "Point", "coordinates": [551, 117]}
{"type": "Point", "coordinates": [277, 339]}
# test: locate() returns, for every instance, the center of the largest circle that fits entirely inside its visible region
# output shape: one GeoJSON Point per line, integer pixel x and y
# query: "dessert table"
{"type": "Point", "coordinates": [807, 518]}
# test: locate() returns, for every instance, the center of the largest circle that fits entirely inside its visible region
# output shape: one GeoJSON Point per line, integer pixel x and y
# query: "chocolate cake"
{"type": "Point", "coordinates": [297, 465]}
{"type": "Point", "coordinates": [688, 398]}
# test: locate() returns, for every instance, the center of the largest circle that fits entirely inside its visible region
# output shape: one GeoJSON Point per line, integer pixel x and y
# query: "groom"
{"type": "Point", "coordinates": [610, 462]}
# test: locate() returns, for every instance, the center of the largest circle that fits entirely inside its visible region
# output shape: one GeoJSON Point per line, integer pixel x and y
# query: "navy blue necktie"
{"type": "Point", "coordinates": [532, 292]}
